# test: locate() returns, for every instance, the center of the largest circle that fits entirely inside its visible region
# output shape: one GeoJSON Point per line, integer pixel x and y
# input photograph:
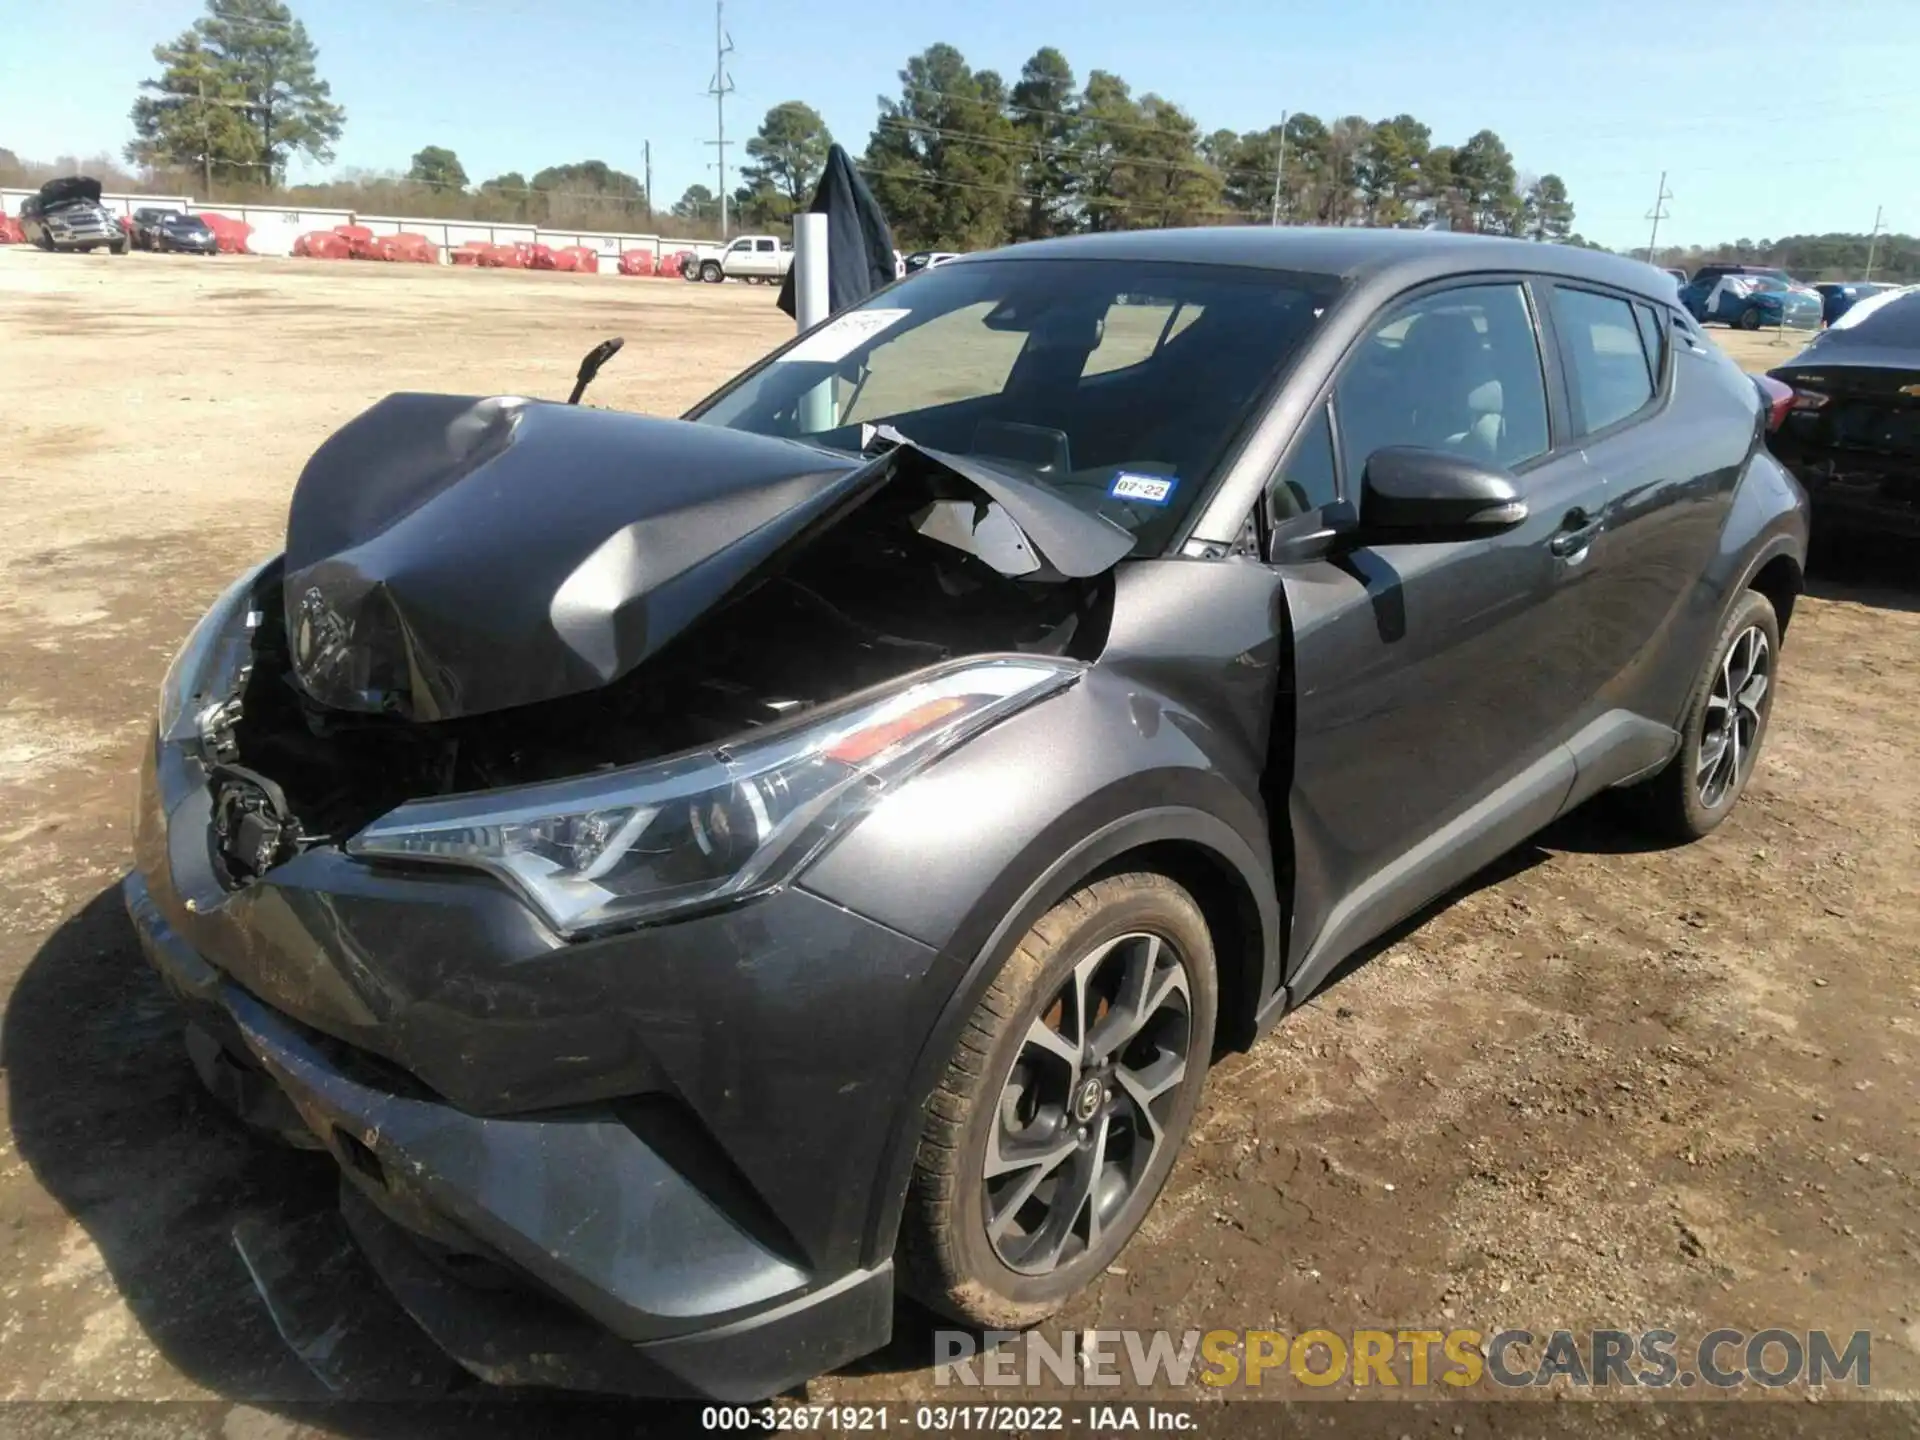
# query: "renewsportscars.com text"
{"type": "Point", "coordinates": [1414, 1359]}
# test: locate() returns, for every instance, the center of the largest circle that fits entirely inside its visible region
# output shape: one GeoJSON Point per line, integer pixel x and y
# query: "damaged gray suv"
{"type": "Point", "coordinates": [699, 877]}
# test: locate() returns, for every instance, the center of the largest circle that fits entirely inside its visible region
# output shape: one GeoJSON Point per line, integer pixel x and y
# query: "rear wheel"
{"type": "Point", "coordinates": [1064, 1105]}
{"type": "Point", "coordinates": [1725, 725]}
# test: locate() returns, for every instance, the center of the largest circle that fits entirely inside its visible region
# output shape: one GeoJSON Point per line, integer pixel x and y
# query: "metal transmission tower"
{"type": "Point", "coordinates": [1657, 214]}
{"type": "Point", "coordinates": [721, 87]}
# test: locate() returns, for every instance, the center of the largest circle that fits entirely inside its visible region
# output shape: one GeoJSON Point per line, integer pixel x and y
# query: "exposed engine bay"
{"type": "Point", "coordinates": [867, 602]}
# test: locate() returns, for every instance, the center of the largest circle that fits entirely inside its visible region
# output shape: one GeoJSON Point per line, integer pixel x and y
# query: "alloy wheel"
{"type": "Point", "coordinates": [1735, 714]}
{"type": "Point", "coordinates": [1084, 1107]}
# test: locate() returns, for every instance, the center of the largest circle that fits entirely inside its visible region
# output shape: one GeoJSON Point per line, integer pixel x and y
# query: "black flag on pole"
{"type": "Point", "coordinates": [859, 242]}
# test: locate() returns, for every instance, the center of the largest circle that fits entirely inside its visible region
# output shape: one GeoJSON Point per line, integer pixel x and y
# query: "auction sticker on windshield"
{"type": "Point", "coordinates": [840, 337]}
{"type": "Point", "coordinates": [1153, 489]}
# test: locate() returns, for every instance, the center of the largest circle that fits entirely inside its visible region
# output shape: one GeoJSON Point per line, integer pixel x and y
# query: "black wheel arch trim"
{"type": "Point", "coordinates": [1256, 972]}
{"type": "Point", "coordinates": [1774, 548]}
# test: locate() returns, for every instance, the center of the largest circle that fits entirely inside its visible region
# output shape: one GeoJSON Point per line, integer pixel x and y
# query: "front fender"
{"type": "Point", "coordinates": [968, 855]}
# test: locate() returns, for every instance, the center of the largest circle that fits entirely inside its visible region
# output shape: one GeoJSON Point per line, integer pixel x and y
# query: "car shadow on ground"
{"type": "Point", "coordinates": [1878, 570]}
{"type": "Point", "coordinates": [107, 1111]}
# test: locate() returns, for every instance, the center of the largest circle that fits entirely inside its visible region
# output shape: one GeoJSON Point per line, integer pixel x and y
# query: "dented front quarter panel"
{"type": "Point", "coordinates": [1174, 716]}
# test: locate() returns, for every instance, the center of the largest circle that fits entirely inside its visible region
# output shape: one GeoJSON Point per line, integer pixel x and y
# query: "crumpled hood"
{"type": "Point", "coordinates": [448, 555]}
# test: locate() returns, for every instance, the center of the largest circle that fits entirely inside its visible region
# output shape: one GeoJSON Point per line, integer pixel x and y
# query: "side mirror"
{"type": "Point", "coordinates": [1411, 495]}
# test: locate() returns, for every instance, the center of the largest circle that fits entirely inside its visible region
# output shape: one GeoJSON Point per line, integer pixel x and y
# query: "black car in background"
{"type": "Point", "coordinates": [182, 234]}
{"type": "Point", "coordinates": [146, 225]}
{"type": "Point", "coordinates": [1853, 433]}
{"type": "Point", "coordinates": [698, 877]}
{"type": "Point", "coordinates": [66, 214]}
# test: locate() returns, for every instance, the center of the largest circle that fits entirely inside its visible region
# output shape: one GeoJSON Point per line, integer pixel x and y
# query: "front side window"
{"type": "Point", "coordinates": [1118, 384]}
{"type": "Point", "coordinates": [740, 246]}
{"type": "Point", "coordinates": [1457, 370]}
{"type": "Point", "coordinates": [1307, 480]}
{"type": "Point", "coordinates": [1606, 359]}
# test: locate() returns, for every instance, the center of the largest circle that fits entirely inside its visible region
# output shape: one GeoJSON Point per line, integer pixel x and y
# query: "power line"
{"type": "Point", "coordinates": [1102, 202]}
{"type": "Point", "coordinates": [1195, 166]}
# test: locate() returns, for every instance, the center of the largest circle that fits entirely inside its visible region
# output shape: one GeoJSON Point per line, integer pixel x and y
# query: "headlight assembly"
{"type": "Point", "coordinates": [638, 843]}
{"type": "Point", "coordinates": [214, 650]}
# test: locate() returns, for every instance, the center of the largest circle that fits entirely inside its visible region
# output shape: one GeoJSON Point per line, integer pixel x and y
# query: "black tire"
{"type": "Point", "coordinates": [1677, 803]}
{"type": "Point", "coordinates": [946, 1258]}
{"type": "Point", "coordinates": [711, 272]}
{"type": "Point", "coordinates": [1749, 318]}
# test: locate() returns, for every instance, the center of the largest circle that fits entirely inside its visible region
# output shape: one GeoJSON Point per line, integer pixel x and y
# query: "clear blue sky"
{"type": "Point", "coordinates": [1770, 118]}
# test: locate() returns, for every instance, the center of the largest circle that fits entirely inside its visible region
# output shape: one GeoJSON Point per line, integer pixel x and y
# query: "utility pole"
{"type": "Point", "coordinates": [1657, 214]}
{"type": "Point", "coordinates": [1873, 243]}
{"type": "Point", "coordinates": [206, 144]}
{"type": "Point", "coordinates": [721, 87]}
{"type": "Point", "coordinates": [646, 148]}
{"type": "Point", "coordinates": [1280, 169]}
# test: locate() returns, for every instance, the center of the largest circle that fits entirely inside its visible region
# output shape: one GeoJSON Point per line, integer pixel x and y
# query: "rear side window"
{"type": "Point", "coordinates": [1605, 357]}
{"type": "Point", "coordinates": [1456, 370]}
{"type": "Point", "coordinates": [1654, 338]}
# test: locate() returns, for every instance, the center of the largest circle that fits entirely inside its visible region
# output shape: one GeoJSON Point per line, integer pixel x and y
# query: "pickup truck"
{"type": "Point", "coordinates": [764, 259]}
{"type": "Point", "coordinates": [67, 214]}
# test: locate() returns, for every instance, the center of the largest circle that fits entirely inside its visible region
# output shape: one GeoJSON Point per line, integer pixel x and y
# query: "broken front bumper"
{"type": "Point", "coordinates": [566, 1223]}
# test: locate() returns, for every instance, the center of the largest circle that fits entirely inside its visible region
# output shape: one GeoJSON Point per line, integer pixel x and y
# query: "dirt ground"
{"type": "Point", "coordinates": [1602, 1086]}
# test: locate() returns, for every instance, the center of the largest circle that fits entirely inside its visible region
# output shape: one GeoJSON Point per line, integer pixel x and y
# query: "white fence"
{"type": "Point", "coordinates": [447, 234]}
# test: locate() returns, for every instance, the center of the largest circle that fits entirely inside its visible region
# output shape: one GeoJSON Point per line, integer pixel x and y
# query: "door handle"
{"type": "Point", "coordinates": [1576, 533]}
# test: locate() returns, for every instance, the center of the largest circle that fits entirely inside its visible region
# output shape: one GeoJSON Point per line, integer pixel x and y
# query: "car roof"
{"type": "Point", "coordinates": [1394, 258]}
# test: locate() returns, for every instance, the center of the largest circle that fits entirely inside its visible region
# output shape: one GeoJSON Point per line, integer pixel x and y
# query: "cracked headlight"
{"type": "Point", "coordinates": [712, 825]}
{"type": "Point", "coordinates": [214, 649]}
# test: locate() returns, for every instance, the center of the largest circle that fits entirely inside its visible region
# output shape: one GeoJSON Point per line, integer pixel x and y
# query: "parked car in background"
{"type": "Point", "coordinates": [926, 259]}
{"type": "Point", "coordinates": [1853, 433]}
{"type": "Point", "coordinates": [757, 259]}
{"type": "Point", "coordinates": [66, 214]}
{"type": "Point", "coordinates": [1839, 296]}
{"type": "Point", "coordinates": [1695, 292]}
{"type": "Point", "coordinates": [698, 877]}
{"type": "Point", "coordinates": [1753, 301]}
{"type": "Point", "coordinates": [146, 224]}
{"type": "Point", "coordinates": [184, 234]}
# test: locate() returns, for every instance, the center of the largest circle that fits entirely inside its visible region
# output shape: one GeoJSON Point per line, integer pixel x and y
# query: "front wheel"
{"type": "Point", "coordinates": [1750, 318]}
{"type": "Point", "coordinates": [1725, 725]}
{"type": "Point", "coordinates": [1064, 1104]}
{"type": "Point", "coordinates": [711, 272]}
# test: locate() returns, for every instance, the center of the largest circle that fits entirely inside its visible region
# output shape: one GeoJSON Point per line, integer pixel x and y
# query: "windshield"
{"type": "Point", "coordinates": [1117, 384]}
